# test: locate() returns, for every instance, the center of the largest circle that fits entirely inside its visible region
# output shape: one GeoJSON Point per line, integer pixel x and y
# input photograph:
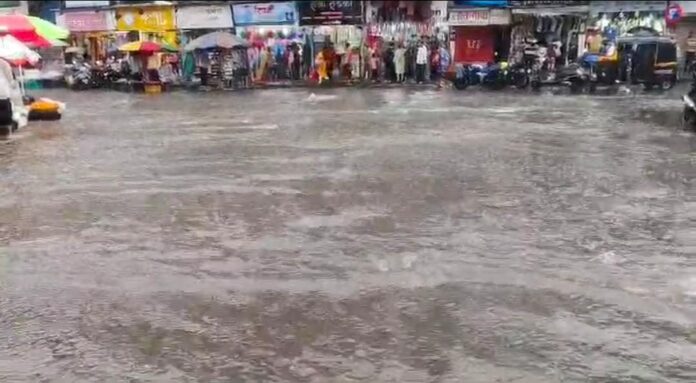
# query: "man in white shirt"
{"type": "Point", "coordinates": [421, 62]}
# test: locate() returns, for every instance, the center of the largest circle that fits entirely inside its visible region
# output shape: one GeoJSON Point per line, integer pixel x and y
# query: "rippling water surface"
{"type": "Point", "coordinates": [374, 236]}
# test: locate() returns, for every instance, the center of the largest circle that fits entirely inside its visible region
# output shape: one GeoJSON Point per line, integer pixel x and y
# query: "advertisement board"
{"type": "Point", "coordinates": [330, 12]}
{"type": "Point", "coordinates": [204, 17]}
{"type": "Point", "coordinates": [265, 13]}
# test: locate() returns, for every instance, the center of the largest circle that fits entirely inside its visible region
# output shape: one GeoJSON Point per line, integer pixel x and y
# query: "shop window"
{"type": "Point", "coordinates": [133, 36]}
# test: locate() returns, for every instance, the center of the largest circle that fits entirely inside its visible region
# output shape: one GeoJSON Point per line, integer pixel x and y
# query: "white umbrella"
{"type": "Point", "coordinates": [17, 53]}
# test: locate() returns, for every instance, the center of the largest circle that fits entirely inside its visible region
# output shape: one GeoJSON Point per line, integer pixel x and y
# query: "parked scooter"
{"type": "Point", "coordinates": [79, 76]}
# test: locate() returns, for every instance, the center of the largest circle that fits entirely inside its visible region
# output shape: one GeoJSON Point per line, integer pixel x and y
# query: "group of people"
{"type": "Point", "coordinates": [395, 63]}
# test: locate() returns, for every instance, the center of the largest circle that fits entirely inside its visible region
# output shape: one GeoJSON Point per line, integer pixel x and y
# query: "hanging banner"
{"type": "Point", "coordinates": [85, 4]}
{"type": "Point", "coordinates": [330, 12]}
{"type": "Point", "coordinates": [145, 19]}
{"type": "Point", "coordinates": [86, 21]}
{"type": "Point", "coordinates": [265, 13]}
{"type": "Point", "coordinates": [474, 17]}
{"type": "Point", "coordinates": [204, 17]}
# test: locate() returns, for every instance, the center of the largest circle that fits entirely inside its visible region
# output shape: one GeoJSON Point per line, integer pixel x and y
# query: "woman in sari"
{"type": "Point", "coordinates": [322, 70]}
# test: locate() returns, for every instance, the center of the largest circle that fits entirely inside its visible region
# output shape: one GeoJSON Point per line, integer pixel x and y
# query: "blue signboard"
{"type": "Point", "coordinates": [264, 13]}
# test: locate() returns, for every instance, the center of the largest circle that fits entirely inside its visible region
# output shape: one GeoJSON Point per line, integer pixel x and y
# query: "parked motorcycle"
{"type": "Point", "coordinates": [493, 76]}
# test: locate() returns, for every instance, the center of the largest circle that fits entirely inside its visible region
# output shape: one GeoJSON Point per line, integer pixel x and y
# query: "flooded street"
{"type": "Point", "coordinates": [380, 235]}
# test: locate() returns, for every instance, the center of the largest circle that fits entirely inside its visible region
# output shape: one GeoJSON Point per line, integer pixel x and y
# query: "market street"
{"type": "Point", "coordinates": [381, 235]}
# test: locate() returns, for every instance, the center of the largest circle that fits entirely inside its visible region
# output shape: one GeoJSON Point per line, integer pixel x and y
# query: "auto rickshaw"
{"type": "Point", "coordinates": [648, 60]}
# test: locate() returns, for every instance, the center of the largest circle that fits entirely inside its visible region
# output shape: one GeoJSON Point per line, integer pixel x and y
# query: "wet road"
{"type": "Point", "coordinates": [355, 236]}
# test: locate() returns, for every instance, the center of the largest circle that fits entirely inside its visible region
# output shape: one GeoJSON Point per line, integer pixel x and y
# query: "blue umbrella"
{"type": "Point", "coordinates": [216, 40]}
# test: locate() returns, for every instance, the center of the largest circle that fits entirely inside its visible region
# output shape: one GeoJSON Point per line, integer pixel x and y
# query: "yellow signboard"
{"type": "Point", "coordinates": [145, 19]}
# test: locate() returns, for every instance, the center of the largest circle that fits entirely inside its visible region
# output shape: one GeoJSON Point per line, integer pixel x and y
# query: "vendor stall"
{"type": "Point", "coordinates": [228, 54]}
{"type": "Point", "coordinates": [557, 23]}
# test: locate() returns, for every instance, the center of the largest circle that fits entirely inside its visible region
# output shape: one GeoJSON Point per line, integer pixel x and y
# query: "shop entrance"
{"type": "Point", "coordinates": [479, 44]}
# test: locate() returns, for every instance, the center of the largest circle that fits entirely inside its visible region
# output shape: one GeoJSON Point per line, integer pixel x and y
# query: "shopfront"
{"type": "Point", "coordinates": [402, 22]}
{"type": "Point", "coordinates": [549, 22]}
{"type": "Point", "coordinates": [91, 32]}
{"type": "Point", "coordinates": [274, 36]}
{"type": "Point", "coordinates": [153, 23]}
{"type": "Point", "coordinates": [480, 34]}
{"type": "Point", "coordinates": [334, 27]}
{"type": "Point", "coordinates": [195, 20]}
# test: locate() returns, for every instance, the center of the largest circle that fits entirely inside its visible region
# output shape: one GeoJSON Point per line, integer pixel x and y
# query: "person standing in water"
{"type": "Point", "coordinates": [400, 63]}
{"type": "Point", "coordinates": [421, 62]}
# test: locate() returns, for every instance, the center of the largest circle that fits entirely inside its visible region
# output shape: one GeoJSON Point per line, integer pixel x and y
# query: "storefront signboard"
{"type": "Point", "coordinates": [265, 13]}
{"type": "Point", "coordinates": [85, 4]}
{"type": "Point", "coordinates": [204, 17]}
{"type": "Point", "coordinates": [597, 7]}
{"type": "Point", "coordinates": [145, 19]}
{"type": "Point", "coordinates": [478, 17]}
{"type": "Point", "coordinates": [330, 12]}
{"type": "Point", "coordinates": [86, 21]}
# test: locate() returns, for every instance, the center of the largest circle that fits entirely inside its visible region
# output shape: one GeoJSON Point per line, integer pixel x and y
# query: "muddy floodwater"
{"type": "Point", "coordinates": [378, 235]}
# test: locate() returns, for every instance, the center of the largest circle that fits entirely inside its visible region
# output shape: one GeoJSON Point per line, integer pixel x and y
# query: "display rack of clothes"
{"type": "Point", "coordinates": [215, 79]}
{"type": "Point", "coordinates": [560, 30]}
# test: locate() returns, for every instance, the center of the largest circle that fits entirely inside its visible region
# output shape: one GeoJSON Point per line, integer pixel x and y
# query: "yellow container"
{"type": "Point", "coordinates": [153, 88]}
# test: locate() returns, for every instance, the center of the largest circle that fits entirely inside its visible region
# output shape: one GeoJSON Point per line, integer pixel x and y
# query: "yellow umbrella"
{"type": "Point", "coordinates": [146, 47]}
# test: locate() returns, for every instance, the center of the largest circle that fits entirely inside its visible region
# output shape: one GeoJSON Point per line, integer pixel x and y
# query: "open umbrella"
{"type": "Point", "coordinates": [16, 53]}
{"type": "Point", "coordinates": [32, 30]}
{"type": "Point", "coordinates": [146, 47]}
{"type": "Point", "coordinates": [224, 40]}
